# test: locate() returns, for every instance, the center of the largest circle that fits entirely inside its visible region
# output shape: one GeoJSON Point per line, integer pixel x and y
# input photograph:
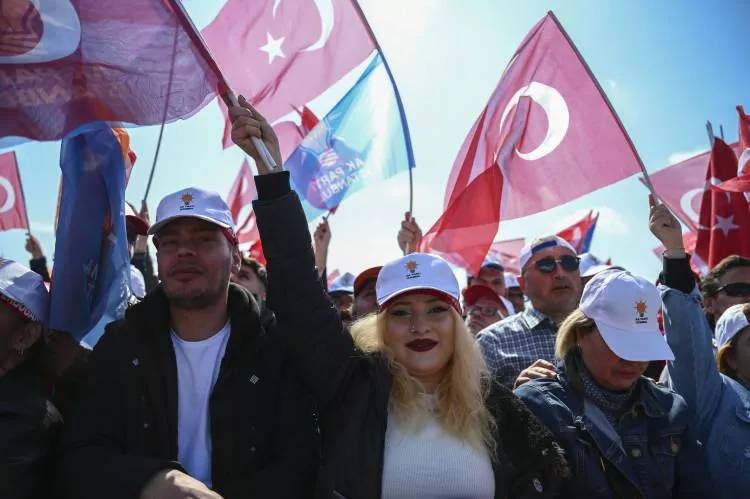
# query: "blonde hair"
{"type": "Point", "coordinates": [461, 395]}
{"type": "Point", "coordinates": [566, 335]}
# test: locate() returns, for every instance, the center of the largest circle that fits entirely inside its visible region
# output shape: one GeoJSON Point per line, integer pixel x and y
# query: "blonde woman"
{"type": "Point", "coordinates": [717, 388]}
{"type": "Point", "coordinates": [406, 409]}
{"type": "Point", "coordinates": [624, 436]}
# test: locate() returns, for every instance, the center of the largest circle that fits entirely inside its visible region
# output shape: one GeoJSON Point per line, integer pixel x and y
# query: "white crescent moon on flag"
{"type": "Point", "coordinates": [686, 203]}
{"type": "Point", "coordinates": [558, 117]}
{"type": "Point", "coordinates": [61, 33]}
{"type": "Point", "coordinates": [325, 9]}
{"type": "Point", "coordinates": [10, 201]}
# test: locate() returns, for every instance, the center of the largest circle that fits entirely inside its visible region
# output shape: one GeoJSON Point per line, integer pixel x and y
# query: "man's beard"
{"type": "Point", "coordinates": [197, 299]}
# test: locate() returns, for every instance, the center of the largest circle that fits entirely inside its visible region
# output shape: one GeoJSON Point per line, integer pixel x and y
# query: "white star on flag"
{"type": "Point", "coordinates": [273, 47]}
{"type": "Point", "coordinates": [725, 224]}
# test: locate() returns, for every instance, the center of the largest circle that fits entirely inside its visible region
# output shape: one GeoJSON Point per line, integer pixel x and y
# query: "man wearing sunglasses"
{"type": "Point", "coordinates": [727, 284]}
{"type": "Point", "coordinates": [522, 347]}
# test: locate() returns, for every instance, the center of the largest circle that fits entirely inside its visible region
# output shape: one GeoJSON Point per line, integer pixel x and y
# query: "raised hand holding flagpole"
{"type": "Point", "coordinates": [269, 161]}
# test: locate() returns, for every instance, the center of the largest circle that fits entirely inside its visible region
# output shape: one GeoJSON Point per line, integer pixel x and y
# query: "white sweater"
{"type": "Point", "coordinates": [432, 464]}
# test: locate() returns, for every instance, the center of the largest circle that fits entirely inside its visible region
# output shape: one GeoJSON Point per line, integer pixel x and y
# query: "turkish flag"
{"type": "Point", "coordinates": [290, 134]}
{"type": "Point", "coordinates": [737, 184]}
{"type": "Point", "coordinates": [579, 234]}
{"type": "Point", "coordinates": [65, 63]}
{"type": "Point", "coordinates": [725, 217]}
{"type": "Point", "coordinates": [12, 205]}
{"type": "Point", "coordinates": [743, 127]}
{"type": "Point", "coordinates": [249, 236]}
{"type": "Point", "coordinates": [282, 54]}
{"type": "Point", "coordinates": [549, 135]}
{"type": "Point", "coordinates": [243, 191]}
{"type": "Point", "coordinates": [680, 186]}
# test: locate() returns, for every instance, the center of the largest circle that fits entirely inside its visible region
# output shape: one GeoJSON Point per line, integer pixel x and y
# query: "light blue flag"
{"type": "Point", "coordinates": [91, 275]}
{"type": "Point", "coordinates": [364, 139]}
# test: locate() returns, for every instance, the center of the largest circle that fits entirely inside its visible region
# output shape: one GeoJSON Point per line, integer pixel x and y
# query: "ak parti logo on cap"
{"type": "Point", "coordinates": [187, 202]}
{"type": "Point", "coordinates": [641, 310]}
{"type": "Point", "coordinates": [411, 267]}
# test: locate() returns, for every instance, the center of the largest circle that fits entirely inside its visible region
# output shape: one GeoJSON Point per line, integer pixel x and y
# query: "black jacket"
{"type": "Point", "coordinates": [125, 426]}
{"type": "Point", "coordinates": [352, 389]}
{"type": "Point", "coordinates": [29, 426]}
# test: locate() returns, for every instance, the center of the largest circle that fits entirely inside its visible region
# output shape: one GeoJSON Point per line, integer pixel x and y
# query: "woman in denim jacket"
{"type": "Point", "coordinates": [718, 393]}
{"type": "Point", "coordinates": [624, 435]}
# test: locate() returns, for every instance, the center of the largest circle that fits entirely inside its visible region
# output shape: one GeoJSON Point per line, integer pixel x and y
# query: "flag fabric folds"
{"type": "Point", "coordinates": [725, 216]}
{"type": "Point", "coordinates": [282, 55]}
{"type": "Point", "coordinates": [580, 234]}
{"type": "Point", "coordinates": [12, 203]}
{"type": "Point", "coordinates": [547, 136]}
{"type": "Point", "coordinates": [65, 63]}
{"type": "Point", "coordinates": [359, 142]}
{"type": "Point", "coordinates": [242, 192]}
{"type": "Point", "coordinates": [507, 253]}
{"type": "Point", "coordinates": [90, 281]}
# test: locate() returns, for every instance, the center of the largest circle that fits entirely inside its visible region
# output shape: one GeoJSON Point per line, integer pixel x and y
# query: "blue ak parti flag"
{"type": "Point", "coordinates": [91, 280]}
{"type": "Point", "coordinates": [362, 140]}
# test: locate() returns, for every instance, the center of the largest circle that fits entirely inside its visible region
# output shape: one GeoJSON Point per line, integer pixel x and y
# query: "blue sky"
{"type": "Point", "coordinates": [667, 67]}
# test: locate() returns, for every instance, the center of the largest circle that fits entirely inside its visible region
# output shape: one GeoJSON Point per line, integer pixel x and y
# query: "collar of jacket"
{"type": "Point", "coordinates": [646, 394]}
{"type": "Point", "coordinates": [153, 318]}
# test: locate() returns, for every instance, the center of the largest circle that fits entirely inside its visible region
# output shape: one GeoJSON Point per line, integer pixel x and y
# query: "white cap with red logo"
{"type": "Point", "coordinates": [624, 308]}
{"type": "Point", "coordinates": [414, 272]}
{"type": "Point", "coordinates": [195, 203]}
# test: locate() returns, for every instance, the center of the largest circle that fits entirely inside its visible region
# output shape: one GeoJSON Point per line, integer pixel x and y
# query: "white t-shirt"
{"type": "Point", "coordinates": [198, 364]}
{"type": "Point", "coordinates": [429, 463]}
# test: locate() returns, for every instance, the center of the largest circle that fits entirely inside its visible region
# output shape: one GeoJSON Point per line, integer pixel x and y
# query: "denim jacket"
{"type": "Point", "coordinates": [652, 455]}
{"type": "Point", "coordinates": [719, 405]}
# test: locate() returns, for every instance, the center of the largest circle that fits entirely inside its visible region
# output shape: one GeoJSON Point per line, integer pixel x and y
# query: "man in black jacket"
{"type": "Point", "coordinates": [189, 395]}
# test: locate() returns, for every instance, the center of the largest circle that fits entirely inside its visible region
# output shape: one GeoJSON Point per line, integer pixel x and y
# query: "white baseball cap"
{"type": "Point", "coordinates": [417, 271]}
{"type": "Point", "coordinates": [193, 202]}
{"type": "Point", "coordinates": [343, 284]}
{"type": "Point", "coordinates": [511, 281]}
{"type": "Point", "coordinates": [732, 321]}
{"type": "Point", "coordinates": [24, 290]}
{"type": "Point", "coordinates": [542, 243]}
{"type": "Point", "coordinates": [624, 308]}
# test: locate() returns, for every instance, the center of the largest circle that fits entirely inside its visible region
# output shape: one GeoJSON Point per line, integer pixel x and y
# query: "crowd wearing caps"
{"type": "Point", "coordinates": [482, 307]}
{"type": "Point", "coordinates": [23, 291]}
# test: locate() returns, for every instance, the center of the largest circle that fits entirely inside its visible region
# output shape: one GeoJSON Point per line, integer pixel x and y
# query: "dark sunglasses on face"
{"type": "Point", "coordinates": [569, 263]}
{"type": "Point", "coordinates": [736, 289]}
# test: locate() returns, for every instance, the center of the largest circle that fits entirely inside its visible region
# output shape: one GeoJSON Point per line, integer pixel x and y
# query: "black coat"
{"type": "Point", "coordinates": [352, 389]}
{"type": "Point", "coordinates": [124, 428]}
{"type": "Point", "coordinates": [29, 426]}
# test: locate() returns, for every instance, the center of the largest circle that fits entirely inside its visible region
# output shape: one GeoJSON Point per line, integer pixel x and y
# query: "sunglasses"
{"type": "Point", "coordinates": [736, 289]}
{"type": "Point", "coordinates": [569, 263]}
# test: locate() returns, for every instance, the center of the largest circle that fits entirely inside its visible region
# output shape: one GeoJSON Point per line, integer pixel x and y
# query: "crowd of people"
{"type": "Point", "coordinates": [231, 379]}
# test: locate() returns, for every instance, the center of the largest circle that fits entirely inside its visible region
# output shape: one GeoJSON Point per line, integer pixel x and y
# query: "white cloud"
{"type": "Point", "coordinates": [612, 84]}
{"type": "Point", "coordinates": [676, 157]}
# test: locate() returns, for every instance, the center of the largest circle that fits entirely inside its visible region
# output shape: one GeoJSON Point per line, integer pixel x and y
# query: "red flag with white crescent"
{"type": "Point", "coordinates": [12, 204]}
{"type": "Point", "coordinates": [547, 136]}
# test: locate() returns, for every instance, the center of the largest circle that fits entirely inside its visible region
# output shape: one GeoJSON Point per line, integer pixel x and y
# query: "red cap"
{"type": "Point", "coordinates": [473, 293]}
{"type": "Point", "coordinates": [139, 225]}
{"type": "Point", "coordinates": [364, 277]}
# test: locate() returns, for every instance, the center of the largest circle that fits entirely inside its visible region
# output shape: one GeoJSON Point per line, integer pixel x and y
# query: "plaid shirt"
{"type": "Point", "coordinates": [516, 342]}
